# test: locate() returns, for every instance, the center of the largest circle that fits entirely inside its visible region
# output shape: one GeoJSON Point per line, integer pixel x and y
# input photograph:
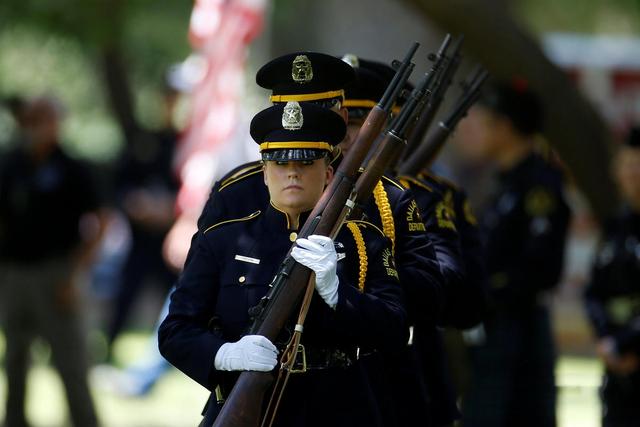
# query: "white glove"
{"type": "Point", "coordinates": [250, 353]}
{"type": "Point", "coordinates": [319, 254]}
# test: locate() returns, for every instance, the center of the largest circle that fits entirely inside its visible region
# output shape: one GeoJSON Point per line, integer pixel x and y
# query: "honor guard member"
{"type": "Point", "coordinates": [300, 77]}
{"type": "Point", "coordinates": [453, 228]}
{"type": "Point", "coordinates": [525, 228]}
{"type": "Point", "coordinates": [421, 391]}
{"type": "Point", "coordinates": [456, 236]}
{"type": "Point", "coordinates": [314, 77]}
{"type": "Point", "coordinates": [416, 259]}
{"type": "Point", "coordinates": [358, 302]}
{"type": "Point", "coordinates": [613, 295]}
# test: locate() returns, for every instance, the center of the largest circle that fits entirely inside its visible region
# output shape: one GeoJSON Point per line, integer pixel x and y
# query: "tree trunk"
{"type": "Point", "coordinates": [572, 125]}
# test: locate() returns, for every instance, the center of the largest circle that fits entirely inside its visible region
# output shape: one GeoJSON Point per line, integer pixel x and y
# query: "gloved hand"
{"type": "Point", "coordinates": [250, 353]}
{"type": "Point", "coordinates": [319, 254]}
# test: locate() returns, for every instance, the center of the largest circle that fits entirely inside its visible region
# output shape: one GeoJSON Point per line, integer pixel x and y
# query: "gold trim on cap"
{"type": "Point", "coordinates": [301, 97]}
{"type": "Point", "coordinates": [296, 144]}
{"type": "Point", "coordinates": [363, 103]}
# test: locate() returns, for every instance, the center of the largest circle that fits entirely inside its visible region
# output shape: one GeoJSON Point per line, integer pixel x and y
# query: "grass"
{"type": "Point", "coordinates": [176, 400]}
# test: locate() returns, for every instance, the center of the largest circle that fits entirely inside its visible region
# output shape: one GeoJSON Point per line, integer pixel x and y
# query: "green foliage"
{"type": "Point", "coordinates": [54, 47]}
{"type": "Point", "coordinates": [620, 17]}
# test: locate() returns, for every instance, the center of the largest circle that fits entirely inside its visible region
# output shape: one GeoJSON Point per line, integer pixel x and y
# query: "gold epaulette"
{"type": "Point", "coordinates": [362, 253]}
{"type": "Point", "coordinates": [407, 181]}
{"type": "Point", "coordinates": [386, 215]}
{"type": "Point", "coordinates": [243, 173]}
{"type": "Point", "coordinates": [246, 218]}
{"type": "Point", "coordinates": [393, 182]}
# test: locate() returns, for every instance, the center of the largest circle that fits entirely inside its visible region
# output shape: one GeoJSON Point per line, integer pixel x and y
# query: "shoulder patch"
{"type": "Point", "coordinates": [389, 263]}
{"type": "Point", "coordinates": [246, 218]}
{"type": "Point", "coordinates": [414, 219]}
{"type": "Point", "coordinates": [241, 174]}
{"type": "Point", "coordinates": [445, 213]}
{"type": "Point", "coordinates": [539, 202]}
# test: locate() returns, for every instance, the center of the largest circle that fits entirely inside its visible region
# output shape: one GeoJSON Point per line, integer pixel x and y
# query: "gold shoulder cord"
{"type": "Point", "coordinates": [362, 253]}
{"type": "Point", "coordinates": [384, 208]}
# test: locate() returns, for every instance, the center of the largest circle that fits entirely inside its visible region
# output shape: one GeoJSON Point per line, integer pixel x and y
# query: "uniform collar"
{"type": "Point", "coordinates": [279, 220]}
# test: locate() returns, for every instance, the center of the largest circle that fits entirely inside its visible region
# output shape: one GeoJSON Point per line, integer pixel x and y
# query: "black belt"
{"type": "Point", "coordinates": [318, 359]}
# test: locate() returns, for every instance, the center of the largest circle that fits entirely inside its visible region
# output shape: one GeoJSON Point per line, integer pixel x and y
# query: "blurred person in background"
{"type": "Point", "coordinates": [613, 295]}
{"type": "Point", "coordinates": [145, 190]}
{"type": "Point", "coordinates": [50, 224]}
{"type": "Point", "coordinates": [524, 230]}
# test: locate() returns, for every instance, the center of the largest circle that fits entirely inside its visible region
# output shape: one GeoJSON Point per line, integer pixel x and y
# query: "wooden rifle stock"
{"type": "Point", "coordinates": [244, 405]}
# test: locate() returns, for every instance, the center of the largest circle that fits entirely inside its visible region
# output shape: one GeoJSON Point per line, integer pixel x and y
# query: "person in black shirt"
{"type": "Point", "coordinates": [46, 238]}
{"type": "Point", "coordinates": [524, 229]}
{"type": "Point", "coordinates": [613, 295]}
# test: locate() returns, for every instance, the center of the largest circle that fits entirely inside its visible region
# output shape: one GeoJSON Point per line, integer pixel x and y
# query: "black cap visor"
{"type": "Point", "coordinates": [293, 154]}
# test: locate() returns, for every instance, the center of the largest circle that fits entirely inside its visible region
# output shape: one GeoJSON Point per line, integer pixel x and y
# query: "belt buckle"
{"type": "Point", "coordinates": [299, 353]}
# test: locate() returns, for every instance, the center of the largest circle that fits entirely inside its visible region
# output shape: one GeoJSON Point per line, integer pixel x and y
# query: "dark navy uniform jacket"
{"type": "Point", "coordinates": [437, 199]}
{"type": "Point", "coordinates": [243, 191]}
{"type": "Point", "coordinates": [613, 304]}
{"type": "Point", "coordinates": [525, 231]}
{"type": "Point", "coordinates": [453, 228]}
{"type": "Point", "coordinates": [393, 209]}
{"type": "Point", "coordinates": [230, 269]}
{"type": "Point", "coordinates": [613, 295]}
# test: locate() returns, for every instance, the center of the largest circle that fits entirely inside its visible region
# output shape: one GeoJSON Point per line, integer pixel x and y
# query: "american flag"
{"type": "Point", "coordinates": [220, 32]}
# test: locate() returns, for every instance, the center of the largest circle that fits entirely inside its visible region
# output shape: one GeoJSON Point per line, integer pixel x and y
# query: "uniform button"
{"type": "Point", "coordinates": [293, 236]}
{"type": "Point", "coordinates": [241, 279]}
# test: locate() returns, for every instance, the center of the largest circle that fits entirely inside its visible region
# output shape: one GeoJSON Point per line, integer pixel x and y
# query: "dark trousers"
{"type": "Point", "coordinates": [621, 400]}
{"type": "Point", "coordinates": [31, 307]}
{"type": "Point", "coordinates": [512, 374]}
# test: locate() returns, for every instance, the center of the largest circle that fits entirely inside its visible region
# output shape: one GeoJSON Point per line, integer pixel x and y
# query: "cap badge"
{"type": "Point", "coordinates": [301, 70]}
{"type": "Point", "coordinates": [352, 60]}
{"type": "Point", "coordinates": [292, 118]}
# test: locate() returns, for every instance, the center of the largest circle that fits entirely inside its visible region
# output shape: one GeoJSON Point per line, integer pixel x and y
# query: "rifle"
{"type": "Point", "coordinates": [427, 115]}
{"type": "Point", "coordinates": [394, 139]}
{"type": "Point", "coordinates": [427, 152]}
{"type": "Point", "coordinates": [420, 97]}
{"type": "Point", "coordinates": [243, 406]}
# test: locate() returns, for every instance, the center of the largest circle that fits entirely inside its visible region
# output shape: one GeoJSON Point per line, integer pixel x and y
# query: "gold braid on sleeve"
{"type": "Point", "coordinates": [384, 208]}
{"type": "Point", "coordinates": [362, 253]}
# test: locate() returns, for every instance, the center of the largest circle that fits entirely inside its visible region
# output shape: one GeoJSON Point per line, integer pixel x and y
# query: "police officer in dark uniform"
{"type": "Point", "coordinates": [613, 295]}
{"type": "Point", "coordinates": [392, 208]}
{"type": "Point", "coordinates": [420, 387]}
{"type": "Point", "coordinates": [452, 227]}
{"type": "Point", "coordinates": [525, 227]}
{"type": "Point", "coordinates": [359, 303]}
{"type": "Point", "coordinates": [455, 227]}
{"type": "Point", "coordinates": [301, 77]}
{"type": "Point", "coordinates": [456, 234]}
